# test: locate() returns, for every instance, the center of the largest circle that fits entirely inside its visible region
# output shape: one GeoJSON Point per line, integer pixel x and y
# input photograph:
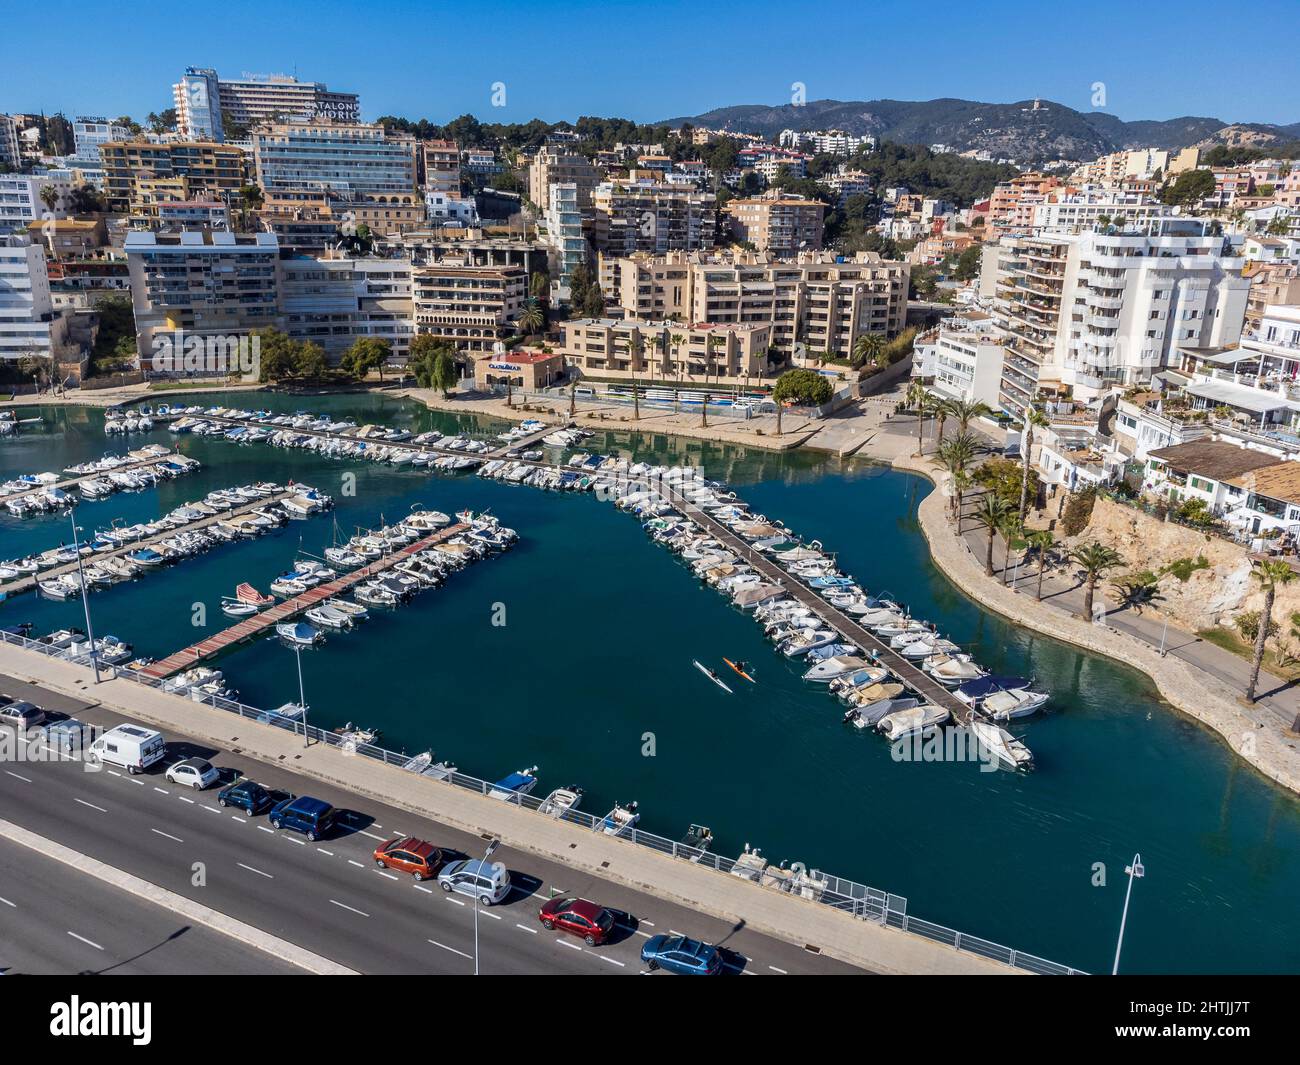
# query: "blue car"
{"type": "Point", "coordinates": [249, 796]}
{"type": "Point", "coordinates": [685, 957]}
{"type": "Point", "coordinates": [312, 817]}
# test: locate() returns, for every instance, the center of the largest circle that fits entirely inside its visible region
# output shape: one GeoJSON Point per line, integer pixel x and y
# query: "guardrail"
{"type": "Point", "coordinates": [848, 896]}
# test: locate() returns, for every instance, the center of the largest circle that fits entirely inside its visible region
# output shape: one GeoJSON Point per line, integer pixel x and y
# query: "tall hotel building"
{"type": "Point", "coordinates": [205, 102]}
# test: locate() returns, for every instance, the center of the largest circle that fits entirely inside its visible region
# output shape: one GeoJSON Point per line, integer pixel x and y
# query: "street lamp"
{"type": "Point", "coordinates": [486, 855]}
{"type": "Point", "coordinates": [1134, 871]}
{"type": "Point", "coordinates": [302, 698]}
{"type": "Point", "coordinates": [85, 596]}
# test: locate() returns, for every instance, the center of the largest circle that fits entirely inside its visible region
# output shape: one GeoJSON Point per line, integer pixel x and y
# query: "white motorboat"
{"type": "Point", "coordinates": [515, 785]}
{"type": "Point", "coordinates": [998, 741]}
{"type": "Point", "coordinates": [929, 646]}
{"type": "Point", "coordinates": [1001, 698]}
{"type": "Point", "coordinates": [328, 617]}
{"type": "Point", "coordinates": [952, 669]}
{"type": "Point", "coordinates": [620, 820]}
{"type": "Point", "coordinates": [233, 608]}
{"type": "Point", "coordinates": [828, 669]}
{"type": "Point", "coordinates": [916, 719]}
{"type": "Point", "coordinates": [300, 634]}
{"type": "Point", "coordinates": [561, 801]}
{"type": "Point", "coordinates": [353, 610]}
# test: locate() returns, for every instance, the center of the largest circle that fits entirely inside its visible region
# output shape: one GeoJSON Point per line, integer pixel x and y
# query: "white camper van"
{"type": "Point", "coordinates": [133, 747]}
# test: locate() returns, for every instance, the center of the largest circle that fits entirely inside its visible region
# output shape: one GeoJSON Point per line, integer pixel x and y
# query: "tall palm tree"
{"type": "Point", "coordinates": [1041, 540]}
{"type": "Point", "coordinates": [1034, 419]}
{"type": "Point", "coordinates": [704, 412]}
{"type": "Point", "coordinates": [1013, 537]}
{"type": "Point", "coordinates": [956, 456]}
{"type": "Point", "coordinates": [867, 348]}
{"type": "Point", "coordinates": [533, 317]}
{"type": "Point", "coordinates": [1269, 575]}
{"type": "Point", "coordinates": [675, 340]}
{"type": "Point", "coordinates": [991, 513]}
{"type": "Point", "coordinates": [1095, 558]}
{"type": "Point", "coordinates": [919, 400]}
{"type": "Point", "coordinates": [961, 484]}
{"type": "Point", "coordinates": [636, 400]}
{"type": "Point", "coordinates": [711, 342]}
{"type": "Point", "coordinates": [942, 409]}
{"type": "Point", "coordinates": [964, 411]}
{"type": "Point", "coordinates": [49, 196]}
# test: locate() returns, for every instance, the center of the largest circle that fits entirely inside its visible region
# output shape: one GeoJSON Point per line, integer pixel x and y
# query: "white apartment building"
{"type": "Point", "coordinates": [564, 233]}
{"type": "Point", "coordinates": [444, 209]}
{"type": "Point", "coordinates": [21, 202]}
{"type": "Point", "coordinates": [825, 141]}
{"type": "Point", "coordinates": [1087, 312]}
{"type": "Point", "coordinates": [90, 132]}
{"type": "Point", "coordinates": [964, 360]}
{"type": "Point", "coordinates": [29, 325]}
{"type": "Point", "coordinates": [334, 302]}
{"type": "Point", "coordinates": [204, 102]}
{"type": "Point", "coordinates": [1079, 211]}
{"type": "Point", "coordinates": [10, 151]}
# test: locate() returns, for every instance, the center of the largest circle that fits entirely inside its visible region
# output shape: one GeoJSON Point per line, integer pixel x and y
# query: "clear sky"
{"type": "Point", "coordinates": [653, 60]}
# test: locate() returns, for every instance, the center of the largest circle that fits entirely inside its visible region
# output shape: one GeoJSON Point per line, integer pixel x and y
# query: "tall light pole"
{"type": "Point", "coordinates": [486, 855]}
{"type": "Point", "coordinates": [85, 596]}
{"type": "Point", "coordinates": [302, 698]}
{"type": "Point", "coordinates": [1134, 871]}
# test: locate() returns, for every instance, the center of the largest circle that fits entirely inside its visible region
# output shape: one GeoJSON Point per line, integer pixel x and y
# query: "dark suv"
{"type": "Point", "coordinates": [249, 796]}
{"type": "Point", "coordinates": [312, 817]}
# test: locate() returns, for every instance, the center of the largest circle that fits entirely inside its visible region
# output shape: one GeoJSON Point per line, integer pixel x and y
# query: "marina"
{"type": "Point", "coordinates": [604, 630]}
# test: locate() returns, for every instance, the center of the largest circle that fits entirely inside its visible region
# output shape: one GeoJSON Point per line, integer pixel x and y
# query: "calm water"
{"type": "Point", "coordinates": [596, 655]}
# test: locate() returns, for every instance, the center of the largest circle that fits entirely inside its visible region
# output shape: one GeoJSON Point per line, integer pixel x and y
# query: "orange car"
{"type": "Point", "coordinates": [410, 855]}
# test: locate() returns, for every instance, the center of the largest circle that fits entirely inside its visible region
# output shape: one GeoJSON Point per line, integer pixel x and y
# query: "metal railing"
{"type": "Point", "coordinates": [858, 900]}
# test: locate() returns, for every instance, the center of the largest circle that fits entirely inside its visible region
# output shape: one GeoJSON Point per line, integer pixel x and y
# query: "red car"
{"type": "Point", "coordinates": [410, 855]}
{"type": "Point", "coordinates": [579, 917]}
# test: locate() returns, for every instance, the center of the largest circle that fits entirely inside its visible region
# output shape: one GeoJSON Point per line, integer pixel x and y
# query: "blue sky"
{"type": "Point", "coordinates": [655, 60]}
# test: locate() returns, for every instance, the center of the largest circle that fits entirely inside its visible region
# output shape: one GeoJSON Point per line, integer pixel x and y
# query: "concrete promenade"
{"type": "Point", "coordinates": [795, 920]}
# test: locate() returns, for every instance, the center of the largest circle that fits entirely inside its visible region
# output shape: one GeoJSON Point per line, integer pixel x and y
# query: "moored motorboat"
{"type": "Point", "coordinates": [619, 821]}
{"type": "Point", "coordinates": [561, 801]}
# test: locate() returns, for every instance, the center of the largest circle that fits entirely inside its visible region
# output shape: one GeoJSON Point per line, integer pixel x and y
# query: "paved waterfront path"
{"type": "Point", "coordinates": [252, 627]}
{"type": "Point", "coordinates": [741, 903]}
{"type": "Point", "coordinates": [27, 583]}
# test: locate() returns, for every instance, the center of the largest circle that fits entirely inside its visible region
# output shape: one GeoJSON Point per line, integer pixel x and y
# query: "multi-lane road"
{"type": "Point", "coordinates": [327, 897]}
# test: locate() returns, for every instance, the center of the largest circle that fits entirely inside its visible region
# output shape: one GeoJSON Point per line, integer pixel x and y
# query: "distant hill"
{"type": "Point", "coordinates": [1026, 130]}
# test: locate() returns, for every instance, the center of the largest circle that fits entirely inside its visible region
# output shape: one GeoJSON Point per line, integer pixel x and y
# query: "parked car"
{"type": "Point", "coordinates": [249, 796]}
{"type": "Point", "coordinates": [579, 917]}
{"type": "Point", "coordinates": [197, 773]}
{"type": "Point", "coordinates": [21, 714]}
{"type": "Point", "coordinates": [475, 877]}
{"type": "Point", "coordinates": [312, 817]}
{"type": "Point", "coordinates": [133, 747]}
{"type": "Point", "coordinates": [680, 955]}
{"type": "Point", "coordinates": [68, 736]}
{"type": "Point", "coordinates": [410, 855]}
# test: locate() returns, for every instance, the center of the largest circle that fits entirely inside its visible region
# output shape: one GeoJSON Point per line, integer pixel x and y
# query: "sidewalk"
{"type": "Point", "coordinates": [796, 920]}
{"type": "Point", "coordinates": [1199, 678]}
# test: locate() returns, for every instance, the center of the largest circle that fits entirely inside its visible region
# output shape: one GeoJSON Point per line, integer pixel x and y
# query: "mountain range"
{"type": "Point", "coordinates": [1028, 130]}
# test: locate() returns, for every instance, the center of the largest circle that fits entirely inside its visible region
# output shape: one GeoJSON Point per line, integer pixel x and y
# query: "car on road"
{"type": "Point", "coordinates": [488, 882]}
{"type": "Point", "coordinates": [21, 714]}
{"type": "Point", "coordinates": [312, 817]}
{"type": "Point", "coordinates": [680, 955]}
{"type": "Point", "coordinates": [68, 736]}
{"type": "Point", "coordinates": [579, 917]}
{"type": "Point", "coordinates": [133, 747]}
{"type": "Point", "coordinates": [249, 796]}
{"type": "Point", "coordinates": [197, 773]}
{"type": "Point", "coordinates": [407, 854]}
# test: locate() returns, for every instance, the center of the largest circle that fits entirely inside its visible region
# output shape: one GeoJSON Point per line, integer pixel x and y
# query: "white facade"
{"type": "Point", "coordinates": [28, 323]}
{"type": "Point", "coordinates": [21, 203]}
{"type": "Point", "coordinates": [1081, 211]}
{"type": "Point", "coordinates": [965, 365]}
{"type": "Point", "coordinates": [334, 302]}
{"type": "Point", "coordinates": [198, 105]}
{"type": "Point", "coordinates": [89, 133]}
{"type": "Point", "coordinates": [444, 209]}
{"type": "Point", "coordinates": [10, 153]}
{"type": "Point", "coordinates": [564, 233]}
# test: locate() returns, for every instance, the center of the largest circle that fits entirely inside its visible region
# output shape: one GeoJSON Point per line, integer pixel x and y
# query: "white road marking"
{"type": "Point", "coordinates": [324, 851]}
{"type": "Point", "coordinates": [345, 906]}
{"type": "Point", "coordinates": [184, 799]}
{"type": "Point", "coordinates": [452, 949]}
{"type": "Point", "coordinates": [421, 887]}
{"type": "Point", "coordinates": [257, 871]}
{"type": "Point", "coordinates": [211, 809]}
{"type": "Point", "coordinates": [167, 834]}
{"type": "Point", "coordinates": [265, 829]}
{"type": "Point", "coordinates": [93, 807]}
{"type": "Point", "coordinates": [241, 820]}
{"type": "Point", "coordinates": [300, 842]}
{"type": "Point", "coordinates": [353, 861]}
{"type": "Point", "coordinates": [163, 790]}
{"type": "Point", "coordinates": [114, 773]}
{"type": "Point", "coordinates": [530, 931]}
{"type": "Point", "coordinates": [382, 839]}
{"type": "Point", "coordinates": [571, 946]}
{"type": "Point", "coordinates": [489, 913]}
{"type": "Point", "coordinates": [776, 970]}
{"type": "Point", "coordinates": [382, 873]}
{"type": "Point", "coordinates": [456, 901]}
{"type": "Point", "coordinates": [88, 942]}
{"type": "Point", "coordinates": [17, 776]}
{"type": "Point", "coordinates": [612, 961]}
{"type": "Point", "coordinates": [7, 902]}
{"type": "Point", "coordinates": [648, 924]}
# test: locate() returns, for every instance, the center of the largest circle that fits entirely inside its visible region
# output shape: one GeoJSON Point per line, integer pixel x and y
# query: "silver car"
{"type": "Point", "coordinates": [489, 881]}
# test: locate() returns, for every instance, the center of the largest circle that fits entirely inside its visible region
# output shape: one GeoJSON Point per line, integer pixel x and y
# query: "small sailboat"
{"type": "Point", "coordinates": [711, 675]}
{"type": "Point", "coordinates": [561, 801]}
{"type": "Point", "coordinates": [739, 668]}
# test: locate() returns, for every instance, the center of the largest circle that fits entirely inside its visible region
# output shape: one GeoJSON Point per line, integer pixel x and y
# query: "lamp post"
{"type": "Point", "coordinates": [85, 597]}
{"type": "Point", "coordinates": [1164, 633]}
{"type": "Point", "coordinates": [302, 698]}
{"type": "Point", "coordinates": [486, 855]}
{"type": "Point", "coordinates": [1134, 871]}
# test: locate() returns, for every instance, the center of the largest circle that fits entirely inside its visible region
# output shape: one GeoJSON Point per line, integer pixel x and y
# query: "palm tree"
{"type": "Point", "coordinates": [867, 348]}
{"type": "Point", "coordinates": [1095, 558]}
{"type": "Point", "coordinates": [964, 411]}
{"type": "Point", "coordinates": [1034, 419]}
{"type": "Point", "coordinates": [918, 398]}
{"type": "Point", "coordinates": [991, 513]}
{"type": "Point", "coordinates": [675, 340]}
{"type": "Point", "coordinates": [636, 400]}
{"type": "Point", "coordinates": [955, 456]}
{"type": "Point", "coordinates": [710, 343]}
{"type": "Point", "coordinates": [961, 483]}
{"type": "Point", "coordinates": [1041, 540]}
{"type": "Point", "coordinates": [49, 196]}
{"type": "Point", "coordinates": [942, 408]}
{"type": "Point", "coordinates": [704, 412]}
{"type": "Point", "coordinates": [533, 317]}
{"type": "Point", "coordinates": [1269, 574]}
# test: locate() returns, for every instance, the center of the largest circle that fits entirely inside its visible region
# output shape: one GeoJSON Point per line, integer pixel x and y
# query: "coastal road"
{"type": "Point", "coordinates": [57, 922]}
{"type": "Point", "coordinates": [329, 897]}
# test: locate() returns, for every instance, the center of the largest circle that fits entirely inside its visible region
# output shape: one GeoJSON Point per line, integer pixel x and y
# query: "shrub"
{"type": "Point", "coordinates": [1183, 568]}
{"type": "Point", "coordinates": [1247, 623]}
{"type": "Point", "coordinates": [1078, 511]}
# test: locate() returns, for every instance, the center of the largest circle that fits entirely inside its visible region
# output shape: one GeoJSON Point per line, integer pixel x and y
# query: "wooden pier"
{"type": "Point", "coordinates": [251, 628]}
{"type": "Point", "coordinates": [28, 582]}
{"type": "Point", "coordinates": [907, 672]}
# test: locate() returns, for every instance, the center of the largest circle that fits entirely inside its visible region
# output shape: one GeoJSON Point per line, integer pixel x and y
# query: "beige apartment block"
{"type": "Point", "coordinates": [554, 164]}
{"type": "Point", "coordinates": [811, 300]}
{"type": "Point", "coordinates": [778, 223]}
{"type": "Point", "coordinates": [664, 351]}
{"type": "Point", "coordinates": [209, 169]}
{"type": "Point", "coordinates": [470, 307]}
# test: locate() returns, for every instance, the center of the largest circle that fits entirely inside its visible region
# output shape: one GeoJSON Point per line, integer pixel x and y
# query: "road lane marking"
{"type": "Point", "coordinates": [421, 887]}
{"type": "Point", "coordinates": [382, 873]}
{"type": "Point", "coordinates": [163, 790]}
{"type": "Point", "coordinates": [7, 902]}
{"type": "Point", "coordinates": [489, 913]}
{"type": "Point", "coordinates": [265, 829]}
{"type": "Point", "coordinates": [612, 961]}
{"type": "Point", "coordinates": [212, 809]}
{"type": "Point", "coordinates": [167, 834]}
{"type": "Point", "coordinates": [776, 970]}
{"type": "Point", "coordinates": [188, 800]}
{"type": "Point", "coordinates": [530, 931]}
{"type": "Point", "coordinates": [88, 942]}
{"type": "Point", "coordinates": [571, 946]}
{"type": "Point", "coordinates": [382, 839]}
{"type": "Point", "coordinates": [114, 773]}
{"type": "Point", "coordinates": [353, 861]}
{"type": "Point", "coordinates": [257, 871]}
{"type": "Point", "coordinates": [324, 851]}
{"type": "Point", "coordinates": [300, 842]}
{"type": "Point", "coordinates": [92, 806]}
{"type": "Point", "coordinates": [25, 780]}
{"type": "Point", "coordinates": [452, 949]}
{"type": "Point", "coordinates": [345, 906]}
{"type": "Point", "coordinates": [241, 820]}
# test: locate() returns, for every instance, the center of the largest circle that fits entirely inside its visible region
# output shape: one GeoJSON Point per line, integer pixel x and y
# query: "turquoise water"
{"type": "Point", "coordinates": [594, 662]}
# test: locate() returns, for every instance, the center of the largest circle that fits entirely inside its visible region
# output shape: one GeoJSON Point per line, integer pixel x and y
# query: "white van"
{"type": "Point", "coordinates": [132, 747]}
